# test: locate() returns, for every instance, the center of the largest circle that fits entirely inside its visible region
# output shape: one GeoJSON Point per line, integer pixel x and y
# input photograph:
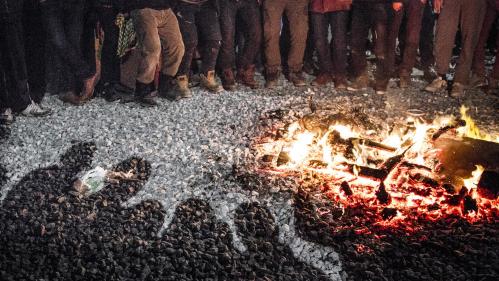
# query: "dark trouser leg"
{"type": "Point", "coordinates": [227, 56]}
{"type": "Point", "coordinates": [34, 38]}
{"type": "Point", "coordinates": [320, 34]}
{"type": "Point", "coordinates": [64, 32]}
{"type": "Point", "coordinates": [297, 14]}
{"type": "Point", "coordinates": [393, 34]}
{"type": "Point", "coordinates": [207, 23]}
{"type": "Point", "coordinates": [495, 71]}
{"type": "Point", "coordinates": [339, 21]}
{"type": "Point", "coordinates": [414, 13]}
{"type": "Point", "coordinates": [360, 31]}
{"type": "Point", "coordinates": [472, 15]}
{"type": "Point", "coordinates": [252, 28]}
{"type": "Point", "coordinates": [380, 18]}
{"type": "Point", "coordinates": [15, 74]}
{"type": "Point", "coordinates": [110, 62]}
{"type": "Point", "coordinates": [478, 66]}
{"type": "Point", "coordinates": [88, 37]}
{"type": "Point", "coordinates": [447, 26]}
{"type": "Point", "coordinates": [186, 20]}
{"type": "Point", "coordinates": [427, 37]}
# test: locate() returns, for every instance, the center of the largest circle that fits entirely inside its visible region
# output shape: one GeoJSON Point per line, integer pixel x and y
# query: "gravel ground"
{"type": "Point", "coordinates": [208, 223]}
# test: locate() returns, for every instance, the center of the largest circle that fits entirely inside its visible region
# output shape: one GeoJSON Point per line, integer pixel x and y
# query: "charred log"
{"type": "Point", "coordinates": [469, 205]}
{"type": "Point", "coordinates": [488, 186]}
{"type": "Point", "coordinates": [445, 129]}
{"type": "Point", "coordinates": [382, 195]}
{"type": "Point", "coordinates": [345, 187]}
{"type": "Point", "coordinates": [388, 213]}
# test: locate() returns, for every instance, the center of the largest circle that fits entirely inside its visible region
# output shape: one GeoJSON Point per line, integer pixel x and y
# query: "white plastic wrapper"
{"type": "Point", "coordinates": [94, 180]}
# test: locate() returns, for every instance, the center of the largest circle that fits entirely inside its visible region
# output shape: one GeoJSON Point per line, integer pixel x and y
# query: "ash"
{"type": "Point", "coordinates": [194, 147]}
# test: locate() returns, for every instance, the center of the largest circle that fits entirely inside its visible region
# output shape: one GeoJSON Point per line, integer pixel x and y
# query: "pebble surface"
{"type": "Point", "coordinates": [192, 147]}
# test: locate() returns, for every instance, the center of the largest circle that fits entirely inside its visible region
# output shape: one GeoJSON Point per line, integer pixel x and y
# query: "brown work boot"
{"type": "Point", "coordinates": [359, 84]}
{"type": "Point", "coordinates": [322, 79]}
{"type": "Point", "coordinates": [405, 81]}
{"type": "Point", "coordinates": [340, 83]}
{"type": "Point", "coordinates": [457, 90]}
{"type": "Point", "coordinates": [88, 89]}
{"type": "Point", "coordinates": [247, 77]}
{"type": "Point", "coordinates": [208, 82]}
{"type": "Point", "coordinates": [71, 97]}
{"type": "Point", "coordinates": [228, 81]}
{"type": "Point", "coordinates": [181, 89]}
{"type": "Point", "coordinates": [272, 78]}
{"type": "Point", "coordinates": [477, 81]}
{"type": "Point", "coordinates": [296, 77]}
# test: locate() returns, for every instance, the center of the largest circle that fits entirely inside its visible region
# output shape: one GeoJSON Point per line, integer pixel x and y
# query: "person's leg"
{"type": "Point", "coordinates": [392, 36]}
{"type": "Point", "coordinates": [186, 19]}
{"type": "Point", "coordinates": [447, 27]}
{"type": "Point", "coordinates": [272, 14]}
{"type": "Point", "coordinates": [227, 56]}
{"type": "Point", "coordinates": [252, 27]}
{"type": "Point", "coordinates": [172, 52]}
{"type": "Point", "coordinates": [110, 62]}
{"type": "Point", "coordinates": [173, 45]}
{"type": "Point", "coordinates": [381, 20]}
{"type": "Point", "coordinates": [478, 66]}
{"type": "Point", "coordinates": [207, 23]}
{"type": "Point", "coordinates": [360, 31]}
{"type": "Point", "coordinates": [320, 24]}
{"type": "Point", "coordinates": [427, 37]}
{"type": "Point", "coordinates": [414, 19]}
{"type": "Point", "coordinates": [297, 13]}
{"type": "Point", "coordinates": [339, 22]}
{"type": "Point", "coordinates": [250, 19]}
{"type": "Point", "coordinates": [16, 73]}
{"type": "Point", "coordinates": [472, 15]}
{"type": "Point", "coordinates": [495, 71]}
{"type": "Point", "coordinates": [73, 20]}
{"type": "Point", "coordinates": [149, 44]}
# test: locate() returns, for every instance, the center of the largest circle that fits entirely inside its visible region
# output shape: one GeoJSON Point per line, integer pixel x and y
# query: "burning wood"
{"type": "Point", "coordinates": [409, 172]}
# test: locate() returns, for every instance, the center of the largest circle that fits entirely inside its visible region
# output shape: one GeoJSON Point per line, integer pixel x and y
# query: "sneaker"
{"type": "Point", "coordinates": [297, 79]}
{"type": "Point", "coordinates": [457, 90]}
{"type": "Point", "coordinates": [228, 80]}
{"type": "Point", "coordinates": [322, 79]}
{"type": "Point", "coordinates": [209, 82]}
{"type": "Point", "coordinates": [438, 85]}
{"type": "Point", "coordinates": [271, 79]}
{"type": "Point", "coordinates": [405, 82]}
{"type": "Point", "coordinates": [360, 84]}
{"type": "Point", "coordinates": [6, 116]}
{"type": "Point", "coordinates": [35, 110]}
{"type": "Point", "coordinates": [477, 81]}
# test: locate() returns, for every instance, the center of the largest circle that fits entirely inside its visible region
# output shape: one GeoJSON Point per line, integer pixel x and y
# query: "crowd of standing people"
{"type": "Point", "coordinates": [234, 39]}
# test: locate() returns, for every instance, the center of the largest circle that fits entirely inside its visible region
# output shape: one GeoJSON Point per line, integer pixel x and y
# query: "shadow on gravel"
{"type": "Point", "coordinates": [50, 231]}
{"type": "Point", "coordinates": [448, 249]}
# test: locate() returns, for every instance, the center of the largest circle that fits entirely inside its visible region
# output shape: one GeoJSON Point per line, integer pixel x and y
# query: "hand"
{"type": "Point", "coordinates": [397, 6]}
{"type": "Point", "coordinates": [437, 6]}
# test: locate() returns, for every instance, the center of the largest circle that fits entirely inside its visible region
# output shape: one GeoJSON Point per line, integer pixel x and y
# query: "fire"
{"type": "Point", "coordinates": [392, 174]}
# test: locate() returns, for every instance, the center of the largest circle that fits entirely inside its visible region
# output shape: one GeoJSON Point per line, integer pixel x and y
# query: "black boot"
{"type": "Point", "coordinates": [165, 85]}
{"type": "Point", "coordinates": [144, 94]}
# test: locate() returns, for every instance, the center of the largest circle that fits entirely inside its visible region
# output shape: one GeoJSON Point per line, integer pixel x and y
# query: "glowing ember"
{"type": "Point", "coordinates": [394, 174]}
